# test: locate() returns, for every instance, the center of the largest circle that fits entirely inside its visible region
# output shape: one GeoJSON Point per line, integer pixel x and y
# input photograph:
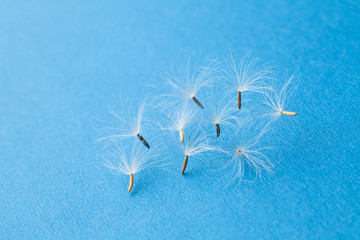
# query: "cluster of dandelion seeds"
{"type": "Point", "coordinates": [203, 109]}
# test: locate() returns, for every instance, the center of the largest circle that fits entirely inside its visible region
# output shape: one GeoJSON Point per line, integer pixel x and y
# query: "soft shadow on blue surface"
{"type": "Point", "coordinates": [62, 64]}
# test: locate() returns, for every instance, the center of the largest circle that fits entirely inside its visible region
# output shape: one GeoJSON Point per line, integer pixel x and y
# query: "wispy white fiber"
{"type": "Point", "coordinates": [220, 108]}
{"type": "Point", "coordinates": [186, 82]}
{"type": "Point", "coordinates": [126, 160]}
{"type": "Point", "coordinates": [179, 117]}
{"type": "Point", "coordinates": [247, 75]}
{"type": "Point", "coordinates": [130, 122]}
{"type": "Point", "coordinates": [276, 99]}
{"type": "Point", "coordinates": [244, 151]}
{"type": "Point", "coordinates": [196, 143]}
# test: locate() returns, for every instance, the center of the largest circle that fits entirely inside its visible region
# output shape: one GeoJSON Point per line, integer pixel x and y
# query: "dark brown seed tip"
{"type": "Point", "coordinates": [143, 140]}
{"type": "Point", "coordinates": [217, 130]}
{"type": "Point", "coordinates": [197, 102]}
{"type": "Point", "coordinates": [239, 100]}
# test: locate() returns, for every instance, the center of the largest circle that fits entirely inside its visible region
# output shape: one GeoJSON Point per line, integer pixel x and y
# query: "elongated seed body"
{"type": "Point", "coordinates": [131, 182]}
{"type": "Point", "coordinates": [288, 113]}
{"type": "Point", "coordinates": [184, 164]}
{"type": "Point", "coordinates": [181, 133]}
{"type": "Point", "coordinates": [197, 102]}
{"type": "Point", "coordinates": [143, 140]}
{"type": "Point", "coordinates": [217, 130]}
{"type": "Point", "coordinates": [239, 100]}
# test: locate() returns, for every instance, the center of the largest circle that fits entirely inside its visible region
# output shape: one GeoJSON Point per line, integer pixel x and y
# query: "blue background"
{"type": "Point", "coordinates": [62, 63]}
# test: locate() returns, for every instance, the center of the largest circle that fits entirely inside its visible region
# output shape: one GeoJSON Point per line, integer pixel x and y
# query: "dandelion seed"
{"type": "Point", "coordinates": [245, 152]}
{"type": "Point", "coordinates": [181, 133]}
{"type": "Point", "coordinates": [188, 81]}
{"type": "Point", "coordinates": [143, 140]}
{"type": "Point", "coordinates": [276, 100]}
{"type": "Point", "coordinates": [239, 100]}
{"type": "Point", "coordinates": [184, 164]}
{"type": "Point", "coordinates": [247, 76]}
{"type": "Point", "coordinates": [179, 118]}
{"type": "Point", "coordinates": [131, 182]}
{"type": "Point", "coordinates": [220, 111]}
{"type": "Point", "coordinates": [217, 130]}
{"type": "Point", "coordinates": [130, 125]}
{"type": "Point", "coordinates": [194, 145]}
{"type": "Point", "coordinates": [132, 159]}
{"type": "Point", "coordinates": [288, 113]}
{"type": "Point", "coordinates": [197, 102]}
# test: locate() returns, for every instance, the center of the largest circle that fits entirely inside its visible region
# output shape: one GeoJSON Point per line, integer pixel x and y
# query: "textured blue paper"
{"type": "Point", "coordinates": [63, 62]}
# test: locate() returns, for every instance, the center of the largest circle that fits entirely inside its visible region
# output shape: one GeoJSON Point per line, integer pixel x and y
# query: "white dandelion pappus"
{"type": "Point", "coordinates": [220, 111]}
{"type": "Point", "coordinates": [178, 118]}
{"type": "Point", "coordinates": [195, 145]}
{"type": "Point", "coordinates": [130, 124]}
{"type": "Point", "coordinates": [133, 161]}
{"type": "Point", "coordinates": [186, 84]}
{"type": "Point", "coordinates": [244, 152]}
{"type": "Point", "coordinates": [277, 100]}
{"type": "Point", "coordinates": [247, 75]}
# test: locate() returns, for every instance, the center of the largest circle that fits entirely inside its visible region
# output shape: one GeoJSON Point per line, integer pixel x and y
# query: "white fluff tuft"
{"type": "Point", "coordinates": [196, 143]}
{"type": "Point", "coordinates": [245, 152]}
{"type": "Point", "coordinates": [186, 83]}
{"type": "Point", "coordinates": [248, 75]}
{"type": "Point", "coordinates": [132, 158]}
{"type": "Point", "coordinates": [276, 100]}
{"type": "Point", "coordinates": [129, 123]}
{"type": "Point", "coordinates": [221, 110]}
{"type": "Point", "coordinates": [179, 117]}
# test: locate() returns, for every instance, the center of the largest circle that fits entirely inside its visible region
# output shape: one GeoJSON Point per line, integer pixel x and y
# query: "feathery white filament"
{"type": "Point", "coordinates": [248, 74]}
{"type": "Point", "coordinates": [244, 151]}
{"type": "Point", "coordinates": [276, 100]}
{"type": "Point", "coordinates": [129, 124]}
{"type": "Point", "coordinates": [196, 143]}
{"type": "Point", "coordinates": [188, 81]}
{"type": "Point", "coordinates": [133, 161]}
{"type": "Point", "coordinates": [221, 110]}
{"type": "Point", "coordinates": [180, 116]}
